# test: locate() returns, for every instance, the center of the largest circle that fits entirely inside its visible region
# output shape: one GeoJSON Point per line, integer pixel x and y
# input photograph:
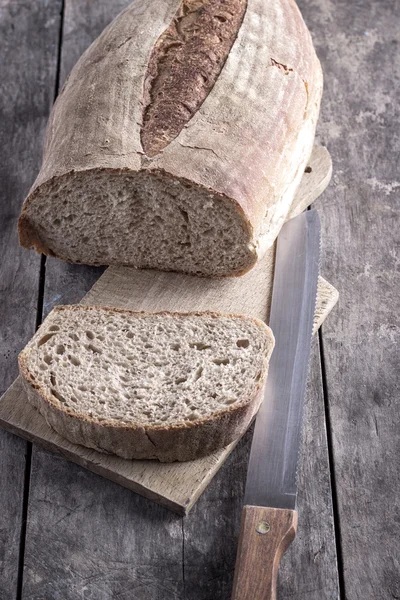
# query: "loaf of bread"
{"type": "Point", "coordinates": [179, 138]}
{"type": "Point", "coordinates": [168, 386]}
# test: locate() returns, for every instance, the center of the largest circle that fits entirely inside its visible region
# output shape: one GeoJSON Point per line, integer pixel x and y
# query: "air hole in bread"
{"type": "Point", "coordinates": [90, 335]}
{"type": "Point", "coordinates": [54, 328]}
{"type": "Point", "coordinates": [200, 345]}
{"type": "Point", "coordinates": [221, 361]}
{"type": "Point", "coordinates": [180, 380]}
{"type": "Point", "coordinates": [74, 360]}
{"type": "Point", "coordinates": [83, 388]}
{"type": "Point", "coordinates": [74, 337]}
{"type": "Point", "coordinates": [57, 395]}
{"type": "Point", "coordinates": [243, 343]}
{"type": "Point", "coordinates": [184, 214]}
{"type": "Point", "coordinates": [93, 349]}
{"type": "Point", "coordinates": [60, 349]}
{"type": "Point", "coordinates": [53, 379]}
{"type": "Point", "coordinates": [45, 338]}
{"type": "Point", "coordinates": [198, 373]}
{"type": "Point", "coordinates": [47, 359]}
{"type": "Point", "coordinates": [229, 401]}
{"type": "Point", "coordinates": [175, 346]}
{"type": "Point", "coordinates": [308, 169]}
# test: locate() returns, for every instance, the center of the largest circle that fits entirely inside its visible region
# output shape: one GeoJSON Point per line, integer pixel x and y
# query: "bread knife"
{"type": "Point", "coordinates": [269, 516]}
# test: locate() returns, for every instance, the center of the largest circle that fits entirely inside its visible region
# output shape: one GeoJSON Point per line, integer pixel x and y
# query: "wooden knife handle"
{"type": "Point", "coordinates": [265, 534]}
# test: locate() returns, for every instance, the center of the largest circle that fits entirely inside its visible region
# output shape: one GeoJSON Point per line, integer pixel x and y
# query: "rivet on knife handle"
{"type": "Point", "coordinates": [265, 534]}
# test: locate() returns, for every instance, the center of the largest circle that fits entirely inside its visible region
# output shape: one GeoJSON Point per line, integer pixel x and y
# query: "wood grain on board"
{"type": "Point", "coordinates": [176, 486]}
{"type": "Point", "coordinates": [29, 35]}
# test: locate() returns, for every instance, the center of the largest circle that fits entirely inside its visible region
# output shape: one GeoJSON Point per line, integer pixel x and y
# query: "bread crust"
{"type": "Point", "coordinates": [185, 441]}
{"type": "Point", "coordinates": [249, 141]}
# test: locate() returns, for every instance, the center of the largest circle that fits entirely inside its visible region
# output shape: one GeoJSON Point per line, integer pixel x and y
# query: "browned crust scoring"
{"type": "Point", "coordinates": [184, 65]}
{"type": "Point", "coordinates": [181, 442]}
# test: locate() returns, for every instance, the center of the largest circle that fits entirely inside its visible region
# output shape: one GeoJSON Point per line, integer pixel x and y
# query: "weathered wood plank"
{"type": "Point", "coordinates": [29, 37]}
{"type": "Point", "coordinates": [309, 568]}
{"type": "Point", "coordinates": [359, 47]}
{"type": "Point", "coordinates": [12, 465]}
{"type": "Point", "coordinates": [90, 538]}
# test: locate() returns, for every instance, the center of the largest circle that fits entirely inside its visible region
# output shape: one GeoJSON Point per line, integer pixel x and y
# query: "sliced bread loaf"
{"type": "Point", "coordinates": [169, 386]}
{"type": "Point", "coordinates": [179, 139]}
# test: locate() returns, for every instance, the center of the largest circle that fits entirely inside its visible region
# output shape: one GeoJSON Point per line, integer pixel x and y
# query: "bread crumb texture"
{"type": "Point", "coordinates": [142, 369]}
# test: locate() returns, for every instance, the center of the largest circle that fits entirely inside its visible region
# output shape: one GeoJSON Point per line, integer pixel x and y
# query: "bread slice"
{"type": "Point", "coordinates": [169, 386]}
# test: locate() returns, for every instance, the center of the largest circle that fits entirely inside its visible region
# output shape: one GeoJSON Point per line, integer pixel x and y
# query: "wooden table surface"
{"type": "Point", "coordinates": [66, 534]}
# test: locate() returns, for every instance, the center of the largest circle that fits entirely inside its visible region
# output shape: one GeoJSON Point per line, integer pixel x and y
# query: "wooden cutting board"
{"type": "Point", "coordinates": [178, 485]}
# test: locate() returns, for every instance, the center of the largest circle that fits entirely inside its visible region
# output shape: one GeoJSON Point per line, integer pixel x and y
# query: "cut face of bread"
{"type": "Point", "coordinates": [140, 385]}
{"type": "Point", "coordinates": [142, 219]}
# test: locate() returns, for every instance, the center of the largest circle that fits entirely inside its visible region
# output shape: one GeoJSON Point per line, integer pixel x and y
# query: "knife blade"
{"type": "Point", "coordinates": [269, 518]}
